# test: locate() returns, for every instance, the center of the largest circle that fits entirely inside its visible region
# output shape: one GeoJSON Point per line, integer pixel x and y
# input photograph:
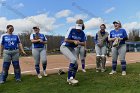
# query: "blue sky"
{"type": "Point", "coordinates": [56, 16]}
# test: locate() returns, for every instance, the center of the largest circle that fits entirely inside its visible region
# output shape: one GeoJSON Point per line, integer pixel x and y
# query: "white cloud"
{"type": "Point", "coordinates": [46, 23]}
{"type": "Point", "coordinates": [94, 23]}
{"type": "Point", "coordinates": [132, 25]}
{"type": "Point", "coordinates": [63, 13]}
{"type": "Point", "coordinates": [78, 16]}
{"type": "Point", "coordinates": [89, 33]}
{"type": "Point", "coordinates": [19, 5]}
{"type": "Point", "coordinates": [110, 10]}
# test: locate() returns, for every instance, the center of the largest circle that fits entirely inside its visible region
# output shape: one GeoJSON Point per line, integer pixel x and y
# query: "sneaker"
{"type": "Point", "coordinates": [103, 70]}
{"type": "Point", "coordinates": [77, 70]}
{"type": "Point", "coordinates": [72, 81]}
{"type": "Point", "coordinates": [83, 70]}
{"type": "Point", "coordinates": [1, 82]}
{"type": "Point", "coordinates": [18, 80]}
{"type": "Point", "coordinates": [97, 70]}
{"type": "Point", "coordinates": [123, 73]}
{"type": "Point", "coordinates": [112, 72]}
{"type": "Point", "coordinates": [45, 74]}
{"type": "Point", "coordinates": [39, 76]}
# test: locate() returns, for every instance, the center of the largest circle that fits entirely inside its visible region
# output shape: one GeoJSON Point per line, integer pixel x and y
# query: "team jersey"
{"type": "Point", "coordinates": [73, 34]}
{"type": "Point", "coordinates": [10, 41]}
{"type": "Point", "coordinates": [121, 33]}
{"type": "Point", "coordinates": [38, 45]}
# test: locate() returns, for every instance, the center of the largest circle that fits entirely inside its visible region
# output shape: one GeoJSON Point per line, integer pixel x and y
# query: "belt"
{"type": "Point", "coordinates": [10, 49]}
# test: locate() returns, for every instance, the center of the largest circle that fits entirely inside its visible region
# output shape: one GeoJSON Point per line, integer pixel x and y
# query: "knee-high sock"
{"type": "Point", "coordinates": [75, 70]}
{"type": "Point", "coordinates": [71, 70]}
{"type": "Point", "coordinates": [5, 69]}
{"type": "Point", "coordinates": [123, 63]}
{"type": "Point", "coordinates": [114, 65]}
{"type": "Point", "coordinates": [103, 62]}
{"type": "Point", "coordinates": [98, 61]}
{"type": "Point", "coordinates": [17, 70]}
{"type": "Point", "coordinates": [37, 68]}
{"type": "Point", "coordinates": [83, 63]}
{"type": "Point", "coordinates": [44, 66]}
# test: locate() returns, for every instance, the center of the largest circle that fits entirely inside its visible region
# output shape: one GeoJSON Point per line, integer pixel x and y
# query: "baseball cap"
{"type": "Point", "coordinates": [79, 21]}
{"type": "Point", "coordinates": [118, 22]}
{"type": "Point", "coordinates": [79, 26]}
{"type": "Point", "coordinates": [35, 27]}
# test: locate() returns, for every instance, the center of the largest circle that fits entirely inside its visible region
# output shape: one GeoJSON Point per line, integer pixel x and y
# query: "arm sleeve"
{"type": "Point", "coordinates": [84, 38]}
{"type": "Point", "coordinates": [125, 35]}
{"type": "Point", "coordinates": [1, 40]}
{"type": "Point", "coordinates": [45, 39]}
{"type": "Point", "coordinates": [68, 34]}
{"type": "Point", "coordinates": [95, 39]}
{"type": "Point", "coordinates": [110, 35]}
{"type": "Point", "coordinates": [31, 37]}
{"type": "Point", "coordinates": [18, 39]}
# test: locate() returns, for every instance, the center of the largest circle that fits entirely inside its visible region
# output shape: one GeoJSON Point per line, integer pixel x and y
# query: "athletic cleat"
{"type": "Point", "coordinates": [112, 72]}
{"type": "Point", "coordinates": [123, 73]}
{"type": "Point", "coordinates": [72, 81]}
{"type": "Point", "coordinates": [45, 74]}
{"type": "Point", "coordinates": [1, 82]}
{"type": "Point", "coordinates": [97, 70]}
{"type": "Point", "coordinates": [18, 80]}
{"type": "Point", "coordinates": [39, 76]}
{"type": "Point", "coordinates": [103, 70]}
{"type": "Point", "coordinates": [83, 70]}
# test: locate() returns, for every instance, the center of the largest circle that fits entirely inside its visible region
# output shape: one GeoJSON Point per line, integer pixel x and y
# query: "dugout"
{"type": "Point", "coordinates": [133, 46]}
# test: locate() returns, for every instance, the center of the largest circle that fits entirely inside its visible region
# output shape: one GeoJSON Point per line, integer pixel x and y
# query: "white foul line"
{"type": "Point", "coordinates": [67, 67]}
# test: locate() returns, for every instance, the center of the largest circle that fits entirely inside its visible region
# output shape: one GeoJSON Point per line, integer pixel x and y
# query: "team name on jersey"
{"type": "Point", "coordinates": [117, 35]}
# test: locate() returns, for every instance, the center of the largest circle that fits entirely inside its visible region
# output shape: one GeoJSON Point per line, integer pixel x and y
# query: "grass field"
{"type": "Point", "coordinates": [90, 82]}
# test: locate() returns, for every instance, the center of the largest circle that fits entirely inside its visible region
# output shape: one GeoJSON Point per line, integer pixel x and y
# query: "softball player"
{"type": "Point", "coordinates": [10, 44]}
{"type": "Point", "coordinates": [118, 36]}
{"type": "Point", "coordinates": [39, 50]}
{"type": "Point", "coordinates": [74, 37]}
{"type": "Point", "coordinates": [81, 51]}
{"type": "Point", "coordinates": [101, 41]}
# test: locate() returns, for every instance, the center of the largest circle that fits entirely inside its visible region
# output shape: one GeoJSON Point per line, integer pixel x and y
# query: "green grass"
{"type": "Point", "coordinates": [90, 82]}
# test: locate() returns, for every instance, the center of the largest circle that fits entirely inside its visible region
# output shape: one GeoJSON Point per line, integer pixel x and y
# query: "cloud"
{"type": "Point", "coordinates": [89, 33]}
{"type": "Point", "coordinates": [110, 10]}
{"type": "Point", "coordinates": [63, 13]}
{"type": "Point", "coordinates": [130, 26]}
{"type": "Point", "coordinates": [45, 22]}
{"type": "Point", "coordinates": [19, 5]}
{"type": "Point", "coordinates": [78, 16]}
{"type": "Point", "coordinates": [94, 23]}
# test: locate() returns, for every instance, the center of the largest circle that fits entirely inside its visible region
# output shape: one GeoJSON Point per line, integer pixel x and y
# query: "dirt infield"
{"type": "Point", "coordinates": [56, 62]}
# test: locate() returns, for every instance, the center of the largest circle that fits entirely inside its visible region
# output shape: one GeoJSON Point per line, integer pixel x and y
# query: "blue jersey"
{"type": "Point", "coordinates": [121, 33]}
{"type": "Point", "coordinates": [73, 34]}
{"type": "Point", "coordinates": [10, 41]}
{"type": "Point", "coordinates": [38, 45]}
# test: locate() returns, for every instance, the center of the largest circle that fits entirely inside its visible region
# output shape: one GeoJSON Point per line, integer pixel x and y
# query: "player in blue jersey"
{"type": "Point", "coordinates": [101, 41]}
{"type": "Point", "coordinates": [118, 36]}
{"type": "Point", "coordinates": [39, 50]}
{"type": "Point", "coordinates": [10, 45]}
{"type": "Point", "coordinates": [81, 50]}
{"type": "Point", "coordinates": [74, 37]}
